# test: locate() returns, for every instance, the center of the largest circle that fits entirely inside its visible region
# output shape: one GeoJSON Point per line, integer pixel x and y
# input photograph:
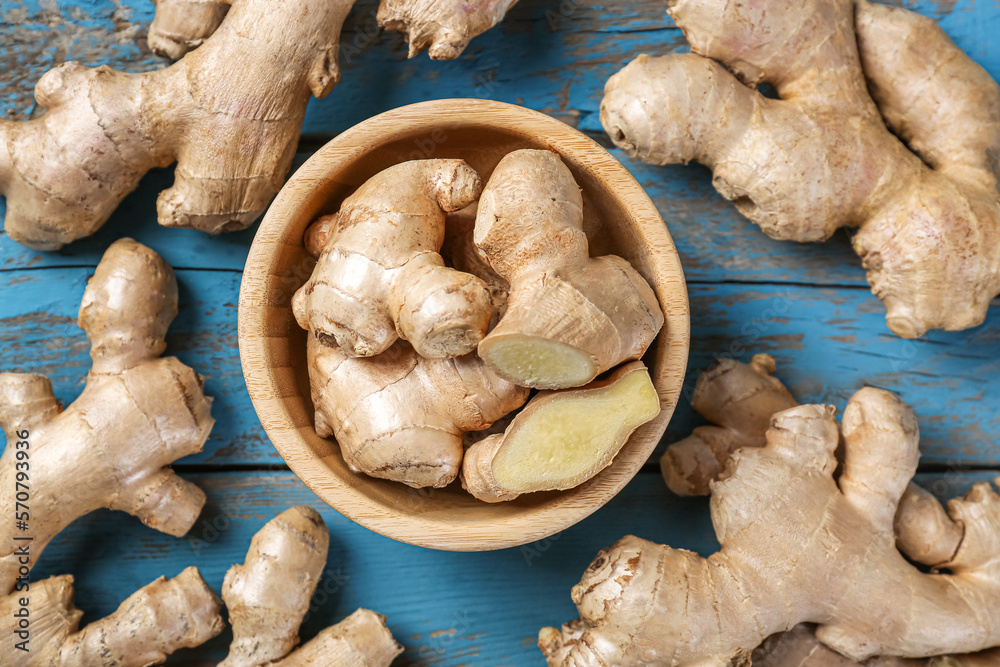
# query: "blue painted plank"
{"type": "Point", "coordinates": [557, 56]}
{"type": "Point", "coordinates": [550, 56]}
{"type": "Point", "coordinates": [447, 609]}
{"type": "Point", "coordinates": [829, 342]}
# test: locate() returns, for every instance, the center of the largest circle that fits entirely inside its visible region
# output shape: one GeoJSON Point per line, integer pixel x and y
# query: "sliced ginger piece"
{"type": "Point", "coordinates": [562, 438]}
{"type": "Point", "coordinates": [569, 317]}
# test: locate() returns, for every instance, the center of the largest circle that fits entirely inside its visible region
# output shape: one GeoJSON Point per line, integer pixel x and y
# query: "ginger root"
{"type": "Point", "coordinates": [821, 157]}
{"type": "Point", "coordinates": [460, 252]}
{"type": "Point", "coordinates": [797, 546]}
{"type": "Point", "coordinates": [380, 276]}
{"type": "Point", "coordinates": [799, 648]}
{"type": "Point", "coordinates": [401, 416]}
{"type": "Point", "coordinates": [110, 448]}
{"type": "Point", "coordinates": [444, 27]}
{"type": "Point", "coordinates": [152, 623]}
{"type": "Point", "coordinates": [561, 438]}
{"type": "Point", "coordinates": [268, 597]}
{"type": "Point", "coordinates": [229, 113]}
{"type": "Point", "coordinates": [739, 400]}
{"type": "Point", "coordinates": [182, 25]}
{"type": "Point", "coordinates": [569, 317]}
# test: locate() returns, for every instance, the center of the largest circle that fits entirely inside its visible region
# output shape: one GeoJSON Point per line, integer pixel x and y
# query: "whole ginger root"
{"type": "Point", "coordinates": [110, 447]}
{"type": "Point", "coordinates": [569, 317]}
{"type": "Point", "coordinates": [268, 597]}
{"type": "Point", "coordinates": [797, 546]}
{"type": "Point", "coordinates": [152, 623]}
{"type": "Point", "coordinates": [229, 114]}
{"type": "Point", "coordinates": [851, 79]}
{"type": "Point", "coordinates": [379, 276]}
{"type": "Point", "coordinates": [739, 401]}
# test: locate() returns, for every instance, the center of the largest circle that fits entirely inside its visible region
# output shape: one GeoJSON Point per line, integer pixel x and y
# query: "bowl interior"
{"type": "Point", "coordinates": [619, 219]}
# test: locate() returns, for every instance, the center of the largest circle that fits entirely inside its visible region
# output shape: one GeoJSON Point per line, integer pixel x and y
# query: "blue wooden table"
{"type": "Point", "coordinates": [809, 306]}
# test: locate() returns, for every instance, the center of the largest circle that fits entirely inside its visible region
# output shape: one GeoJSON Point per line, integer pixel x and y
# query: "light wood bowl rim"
{"type": "Point", "coordinates": [348, 496]}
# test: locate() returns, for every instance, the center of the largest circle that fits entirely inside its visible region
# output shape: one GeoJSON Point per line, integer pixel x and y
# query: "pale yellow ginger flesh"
{"type": "Point", "coordinates": [268, 597]}
{"type": "Point", "coordinates": [540, 362]}
{"type": "Point", "coordinates": [138, 414]}
{"type": "Point", "coordinates": [739, 400]}
{"type": "Point", "coordinates": [401, 416]}
{"type": "Point", "coordinates": [569, 317]}
{"type": "Point", "coordinates": [379, 276]}
{"type": "Point", "coordinates": [155, 621]}
{"type": "Point", "coordinates": [797, 546]}
{"type": "Point", "coordinates": [561, 438]}
{"type": "Point", "coordinates": [799, 648]}
{"type": "Point", "coordinates": [444, 27]}
{"type": "Point", "coordinates": [181, 25]}
{"type": "Point", "coordinates": [927, 212]}
{"type": "Point", "coordinates": [229, 114]}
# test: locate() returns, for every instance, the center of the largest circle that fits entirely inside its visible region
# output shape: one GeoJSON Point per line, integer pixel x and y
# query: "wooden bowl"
{"type": "Point", "coordinates": [620, 219]}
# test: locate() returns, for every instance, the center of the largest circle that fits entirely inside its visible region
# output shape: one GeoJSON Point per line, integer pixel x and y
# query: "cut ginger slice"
{"type": "Point", "coordinates": [561, 438]}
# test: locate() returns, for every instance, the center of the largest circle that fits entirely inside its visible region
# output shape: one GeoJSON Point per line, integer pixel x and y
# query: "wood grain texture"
{"type": "Point", "coordinates": [447, 609]}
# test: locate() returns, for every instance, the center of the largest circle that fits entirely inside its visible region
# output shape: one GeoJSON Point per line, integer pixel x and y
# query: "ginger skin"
{"type": "Point", "coordinates": [739, 400]}
{"type": "Point", "coordinates": [401, 416]}
{"type": "Point", "coordinates": [444, 27]}
{"type": "Point", "coordinates": [561, 438]}
{"type": "Point", "coordinates": [137, 414]}
{"type": "Point", "coordinates": [927, 212]}
{"type": "Point", "coordinates": [152, 623]}
{"type": "Point", "coordinates": [268, 597]}
{"type": "Point", "coordinates": [797, 546]}
{"type": "Point", "coordinates": [799, 648]}
{"type": "Point", "coordinates": [569, 317]}
{"type": "Point", "coordinates": [460, 251]}
{"type": "Point", "coordinates": [182, 25]}
{"type": "Point", "coordinates": [229, 114]}
{"type": "Point", "coordinates": [379, 276]}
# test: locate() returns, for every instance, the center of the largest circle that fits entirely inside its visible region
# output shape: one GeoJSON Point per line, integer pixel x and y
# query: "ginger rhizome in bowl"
{"type": "Point", "coordinates": [393, 331]}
